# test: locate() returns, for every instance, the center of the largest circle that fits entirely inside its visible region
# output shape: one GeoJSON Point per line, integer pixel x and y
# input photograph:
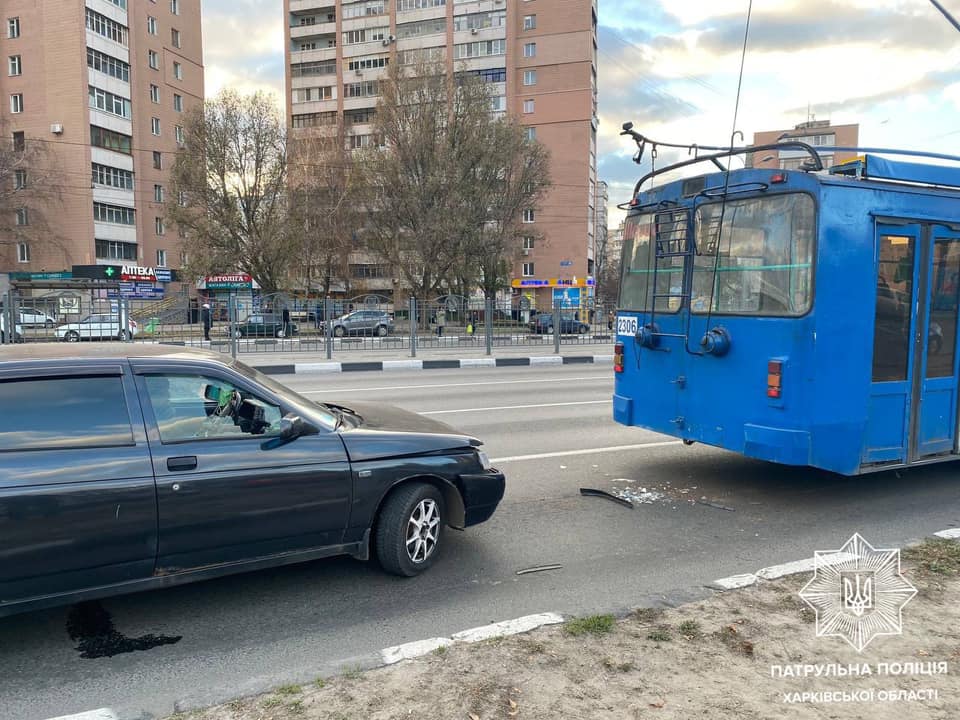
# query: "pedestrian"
{"type": "Point", "coordinates": [318, 315]}
{"type": "Point", "coordinates": [206, 318]}
{"type": "Point", "coordinates": [441, 320]}
{"type": "Point", "coordinates": [286, 320]}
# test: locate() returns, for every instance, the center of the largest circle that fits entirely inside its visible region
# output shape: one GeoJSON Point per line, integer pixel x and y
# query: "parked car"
{"type": "Point", "coordinates": [97, 327]}
{"type": "Point", "coordinates": [17, 331]}
{"type": "Point", "coordinates": [569, 325]}
{"type": "Point", "coordinates": [363, 322]}
{"type": "Point", "coordinates": [133, 467]}
{"type": "Point", "coordinates": [264, 325]}
{"type": "Point", "coordinates": [35, 318]}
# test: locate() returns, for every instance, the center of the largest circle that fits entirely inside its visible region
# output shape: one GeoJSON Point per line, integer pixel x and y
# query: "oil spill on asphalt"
{"type": "Point", "coordinates": [91, 627]}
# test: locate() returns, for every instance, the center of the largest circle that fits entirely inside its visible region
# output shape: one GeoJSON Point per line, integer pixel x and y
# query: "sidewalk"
{"type": "Point", "coordinates": [281, 361]}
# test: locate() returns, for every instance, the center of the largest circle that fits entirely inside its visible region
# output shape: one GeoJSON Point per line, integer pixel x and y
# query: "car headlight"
{"type": "Point", "coordinates": [484, 460]}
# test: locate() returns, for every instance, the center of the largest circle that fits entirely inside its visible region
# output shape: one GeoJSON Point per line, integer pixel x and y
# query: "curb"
{"type": "Point", "coordinates": [320, 368]}
{"type": "Point", "coordinates": [101, 714]}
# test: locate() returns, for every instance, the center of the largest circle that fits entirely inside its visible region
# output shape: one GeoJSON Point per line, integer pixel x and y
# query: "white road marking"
{"type": "Point", "coordinates": [101, 714]}
{"type": "Point", "coordinates": [950, 534]}
{"type": "Point", "coordinates": [456, 384]}
{"type": "Point", "coordinates": [419, 648]}
{"type": "Point", "coordinates": [590, 451]}
{"type": "Point", "coordinates": [514, 407]}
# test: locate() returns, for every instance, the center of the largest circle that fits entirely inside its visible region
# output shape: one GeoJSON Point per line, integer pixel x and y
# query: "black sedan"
{"type": "Point", "coordinates": [126, 468]}
{"type": "Point", "coordinates": [544, 323]}
{"type": "Point", "coordinates": [265, 325]}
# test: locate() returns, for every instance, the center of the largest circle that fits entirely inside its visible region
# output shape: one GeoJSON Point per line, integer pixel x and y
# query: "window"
{"type": "Point", "coordinates": [765, 256]}
{"type": "Point", "coordinates": [111, 177]}
{"type": "Point", "coordinates": [528, 106]}
{"type": "Point", "coordinates": [23, 252]}
{"type": "Point", "coordinates": [103, 138]}
{"type": "Point", "coordinates": [13, 27]}
{"type": "Point", "coordinates": [528, 270]}
{"type": "Point", "coordinates": [529, 77]}
{"type": "Point", "coordinates": [178, 102]}
{"type": "Point", "coordinates": [531, 133]}
{"type": "Point", "coordinates": [23, 217]}
{"type": "Point", "coordinates": [155, 94]}
{"type": "Point", "coordinates": [175, 37]}
{"type": "Point", "coordinates": [157, 160]}
{"type": "Point", "coordinates": [529, 216]}
{"type": "Point", "coordinates": [434, 26]}
{"type": "Point", "coordinates": [114, 214]}
{"type": "Point", "coordinates": [365, 8]}
{"type": "Point", "coordinates": [895, 297]}
{"type": "Point", "coordinates": [109, 103]}
{"type": "Point", "coordinates": [19, 141]}
{"type": "Point", "coordinates": [322, 67]}
{"type": "Point", "coordinates": [122, 4]}
{"type": "Point", "coordinates": [70, 412]}
{"type": "Point", "coordinates": [480, 21]}
{"type": "Point", "coordinates": [528, 242]}
{"type": "Point", "coordinates": [175, 7]}
{"type": "Point", "coordinates": [108, 65]}
{"type": "Point", "coordinates": [178, 71]}
{"type": "Point", "coordinates": [529, 22]}
{"type": "Point", "coordinates": [115, 250]}
{"type": "Point", "coordinates": [530, 50]}
{"type": "Point", "coordinates": [158, 225]}
{"type": "Point", "coordinates": [480, 49]}
{"type": "Point", "coordinates": [182, 199]}
{"type": "Point", "coordinates": [158, 193]}
{"type": "Point", "coordinates": [16, 103]}
{"type": "Point", "coordinates": [153, 59]}
{"type": "Point", "coordinates": [365, 63]}
{"type": "Point", "coordinates": [179, 135]}
{"type": "Point", "coordinates": [155, 125]}
{"type": "Point", "coordinates": [104, 26]}
{"type": "Point", "coordinates": [15, 66]}
{"type": "Point", "coordinates": [403, 5]}
{"type": "Point", "coordinates": [161, 258]}
{"type": "Point", "coordinates": [370, 88]}
{"type": "Point", "coordinates": [19, 179]}
{"type": "Point", "coordinates": [352, 37]}
{"type": "Point", "coordinates": [498, 103]}
{"type": "Point", "coordinates": [152, 25]}
{"type": "Point", "coordinates": [313, 94]}
{"type": "Point", "coordinates": [196, 408]}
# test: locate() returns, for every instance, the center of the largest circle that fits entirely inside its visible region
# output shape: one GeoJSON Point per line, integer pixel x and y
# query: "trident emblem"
{"type": "Point", "coordinates": [858, 592]}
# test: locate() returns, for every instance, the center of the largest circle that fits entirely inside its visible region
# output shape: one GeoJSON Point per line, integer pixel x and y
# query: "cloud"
{"type": "Point", "coordinates": [928, 83]}
{"type": "Point", "coordinates": [243, 46]}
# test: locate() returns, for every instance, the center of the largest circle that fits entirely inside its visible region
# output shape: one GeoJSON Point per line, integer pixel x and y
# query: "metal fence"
{"type": "Point", "coordinates": [287, 323]}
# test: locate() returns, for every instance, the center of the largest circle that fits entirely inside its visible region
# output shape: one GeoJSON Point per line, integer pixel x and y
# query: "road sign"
{"type": "Point", "coordinates": [567, 297]}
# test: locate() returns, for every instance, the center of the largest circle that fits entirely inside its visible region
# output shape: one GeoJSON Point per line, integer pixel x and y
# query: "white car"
{"type": "Point", "coordinates": [18, 331]}
{"type": "Point", "coordinates": [35, 318]}
{"type": "Point", "coordinates": [97, 327]}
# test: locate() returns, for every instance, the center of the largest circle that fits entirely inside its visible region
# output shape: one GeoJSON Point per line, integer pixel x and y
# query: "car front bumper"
{"type": "Point", "coordinates": [481, 495]}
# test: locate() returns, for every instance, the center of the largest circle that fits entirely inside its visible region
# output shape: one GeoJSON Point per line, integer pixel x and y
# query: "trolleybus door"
{"type": "Point", "coordinates": [934, 421]}
{"type": "Point", "coordinates": [913, 401]}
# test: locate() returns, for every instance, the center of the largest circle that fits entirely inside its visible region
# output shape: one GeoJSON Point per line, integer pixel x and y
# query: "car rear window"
{"type": "Point", "coordinates": [63, 412]}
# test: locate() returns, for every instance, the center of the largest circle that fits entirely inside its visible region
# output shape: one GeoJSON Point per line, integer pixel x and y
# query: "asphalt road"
{"type": "Point", "coordinates": [713, 514]}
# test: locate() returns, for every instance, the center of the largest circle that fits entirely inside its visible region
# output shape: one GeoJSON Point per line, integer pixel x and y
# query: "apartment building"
{"type": "Point", "coordinates": [539, 57]}
{"type": "Point", "coordinates": [104, 85]}
{"type": "Point", "coordinates": [816, 133]}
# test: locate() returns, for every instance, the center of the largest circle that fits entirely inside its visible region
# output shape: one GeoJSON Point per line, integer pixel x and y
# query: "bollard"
{"type": "Point", "coordinates": [232, 323]}
{"type": "Point", "coordinates": [556, 327]}
{"type": "Point", "coordinates": [413, 327]}
{"type": "Point", "coordinates": [488, 324]}
{"type": "Point", "coordinates": [328, 326]}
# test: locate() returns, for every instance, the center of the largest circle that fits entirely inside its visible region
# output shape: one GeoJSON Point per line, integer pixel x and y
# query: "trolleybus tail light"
{"type": "Point", "coordinates": [774, 378]}
{"type": "Point", "coordinates": [778, 178]}
{"type": "Point", "coordinates": [618, 357]}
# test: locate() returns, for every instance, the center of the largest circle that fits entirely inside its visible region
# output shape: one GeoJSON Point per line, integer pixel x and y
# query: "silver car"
{"type": "Point", "coordinates": [97, 327]}
{"type": "Point", "coordinates": [363, 322]}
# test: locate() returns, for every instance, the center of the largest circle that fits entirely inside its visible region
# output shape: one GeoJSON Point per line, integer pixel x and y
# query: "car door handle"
{"type": "Point", "coordinates": [187, 462]}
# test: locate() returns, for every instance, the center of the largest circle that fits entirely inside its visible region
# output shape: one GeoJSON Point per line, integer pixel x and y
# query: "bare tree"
{"type": "Point", "coordinates": [325, 210]}
{"type": "Point", "coordinates": [230, 189]}
{"type": "Point", "coordinates": [30, 194]}
{"type": "Point", "coordinates": [443, 179]}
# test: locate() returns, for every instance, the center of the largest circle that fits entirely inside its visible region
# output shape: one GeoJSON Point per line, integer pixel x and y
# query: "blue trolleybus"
{"type": "Point", "coordinates": [805, 317]}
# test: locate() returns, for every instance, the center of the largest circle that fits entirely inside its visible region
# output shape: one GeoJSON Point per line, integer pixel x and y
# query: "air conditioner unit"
{"type": "Point", "coordinates": [474, 31]}
{"type": "Point", "coordinates": [525, 252]}
{"type": "Point", "coordinates": [392, 38]}
{"type": "Point", "coordinates": [386, 42]}
{"type": "Point", "coordinates": [56, 129]}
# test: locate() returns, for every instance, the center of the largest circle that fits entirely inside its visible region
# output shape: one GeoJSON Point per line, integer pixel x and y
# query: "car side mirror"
{"type": "Point", "coordinates": [293, 426]}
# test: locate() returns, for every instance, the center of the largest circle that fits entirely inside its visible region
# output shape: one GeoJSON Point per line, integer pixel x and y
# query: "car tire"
{"type": "Point", "coordinates": [72, 336]}
{"type": "Point", "coordinates": [584, 329]}
{"type": "Point", "coordinates": [549, 329]}
{"type": "Point", "coordinates": [49, 324]}
{"type": "Point", "coordinates": [410, 529]}
{"type": "Point", "coordinates": [279, 333]}
{"type": "Point", "coordinates": [338, 331]}
{"type": "Point", "coordinates": [238, 334]}
{"type": "Point", "coordinates": [381, 330]}
{"type": "Point", "coordinates": [123, 335]}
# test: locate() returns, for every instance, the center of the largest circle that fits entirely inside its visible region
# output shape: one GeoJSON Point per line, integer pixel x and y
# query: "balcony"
{"type": "Point", "coordinates": [317, 6]}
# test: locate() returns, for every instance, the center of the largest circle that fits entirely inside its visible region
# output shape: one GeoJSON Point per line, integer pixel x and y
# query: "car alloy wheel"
{"type": "Point", "coordinates": [381, 330]}
{"type": "Point", "coordinates": [410, 529]}
{"type": "Point", "coordinates": [549, 329]}
{"type": "Point", "coordinates": [72, 336]}
{"type": "Point", "coordinates": [280, 333]}
{"type": "Point", "coordinates": [339, 331]}
{"type": "Point", "coordinates": [238, 334]}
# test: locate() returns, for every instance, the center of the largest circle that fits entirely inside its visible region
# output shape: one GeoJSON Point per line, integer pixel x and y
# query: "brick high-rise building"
{"type": "Point", "coordinates": [816, 133]}
{"type": "Point", "coordinates": [538, 55]}
{"type": "Point", "coordinates": [104, 85]}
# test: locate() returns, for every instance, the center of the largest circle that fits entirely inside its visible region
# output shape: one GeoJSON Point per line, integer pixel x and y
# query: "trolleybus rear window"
{"type": "Point", "coordinates": [760, 262]}
{"type": "Point", "coordinates": [638, 269]}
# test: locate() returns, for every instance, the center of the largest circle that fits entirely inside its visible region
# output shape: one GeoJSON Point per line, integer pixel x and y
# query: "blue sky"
{"type": "Point", "coordinates": [893, 66]}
